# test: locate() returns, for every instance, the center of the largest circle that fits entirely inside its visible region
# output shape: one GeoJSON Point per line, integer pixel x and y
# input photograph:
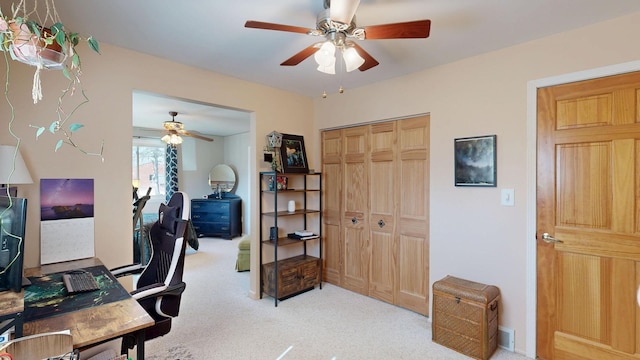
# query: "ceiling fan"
{"type": "Point", "coordinates": [175, 129]}
{"type": "Point", "coordinates": [337, 25]}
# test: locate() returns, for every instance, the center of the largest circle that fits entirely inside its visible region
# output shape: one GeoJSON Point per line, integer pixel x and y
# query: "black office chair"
{"type": "Point", "coordinates": [160, 286]}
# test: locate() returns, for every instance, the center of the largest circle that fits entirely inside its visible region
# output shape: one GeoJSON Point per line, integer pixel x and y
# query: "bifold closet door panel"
{"type": "Point", "coordinates": [355, 211]}
{"type": "Point", "coordinates": [382, 211]}
{"type": "Point", "coordinates": [332, 210]}
{"type": "Point", "coordinates": [413, 215]}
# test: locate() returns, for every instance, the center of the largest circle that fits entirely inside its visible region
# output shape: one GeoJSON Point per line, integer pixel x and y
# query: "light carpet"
{"type": "Point", "coordinates": [219, 321]}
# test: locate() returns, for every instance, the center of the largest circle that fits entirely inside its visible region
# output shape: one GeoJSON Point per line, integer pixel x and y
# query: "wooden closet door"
{"type": "Point", "coordinates": [383, 194]}
{"type": "Point", "coordinates": [332, 210]}
{"type": "Point", "coordinates": [412, 273]}
{"type": "Point", "coordinates": [355, 202]}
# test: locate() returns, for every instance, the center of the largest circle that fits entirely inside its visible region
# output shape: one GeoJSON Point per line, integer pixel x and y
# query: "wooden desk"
{"type": "Point", "coordinates": [95, 325]}
{"type": "Point", "coordinates": [11, 313]}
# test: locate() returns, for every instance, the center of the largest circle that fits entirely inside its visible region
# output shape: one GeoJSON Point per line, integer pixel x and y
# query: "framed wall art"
{"type": "Point", "coordinates": [292, 154]}
{"type": "Point", "coordinates": [475, 161]}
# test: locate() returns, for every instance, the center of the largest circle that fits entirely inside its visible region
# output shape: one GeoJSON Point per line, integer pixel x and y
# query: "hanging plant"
{"type": "Point", "coordinates": [30, 41]}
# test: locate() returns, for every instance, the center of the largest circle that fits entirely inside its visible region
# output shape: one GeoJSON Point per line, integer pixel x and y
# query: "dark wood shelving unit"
{"type": "Point", "coordinates": [286, 277]}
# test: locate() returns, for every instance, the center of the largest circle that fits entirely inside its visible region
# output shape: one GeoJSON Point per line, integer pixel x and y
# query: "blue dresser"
{"type": "Point", "coordinates": [217, 217]}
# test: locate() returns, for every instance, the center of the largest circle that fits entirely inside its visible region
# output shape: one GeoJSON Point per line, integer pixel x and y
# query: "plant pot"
{"type": "Point", "coordinates": [28, 48]}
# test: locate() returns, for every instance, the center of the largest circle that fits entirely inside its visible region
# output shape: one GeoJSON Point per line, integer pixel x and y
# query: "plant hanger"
{"type": "Point", "coordinates": [38, 38]}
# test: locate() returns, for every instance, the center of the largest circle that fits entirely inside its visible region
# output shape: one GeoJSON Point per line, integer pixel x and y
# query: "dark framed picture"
{"type": "Point", "coordinates": [475, 161]}
{"type": "Point", "coordinates": [292, 154]}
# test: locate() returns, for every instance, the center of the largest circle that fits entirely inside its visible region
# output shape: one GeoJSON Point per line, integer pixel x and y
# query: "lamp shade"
{"type": "Point", "coordinates": [172, 139]}
{"type": "Point", "coordinates": [12, 167]}
{"type": "Point", "coordinates": [352, 60]}
{"type": "Point", "coordinates": [326, 58]}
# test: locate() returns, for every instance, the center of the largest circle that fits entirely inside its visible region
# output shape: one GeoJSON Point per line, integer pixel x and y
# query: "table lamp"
{"type": "Point", "coordinates": [12, 168]}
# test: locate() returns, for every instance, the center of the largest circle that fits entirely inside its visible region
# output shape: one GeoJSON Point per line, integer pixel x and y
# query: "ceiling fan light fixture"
{"type": "Point", "coordinates": [172, 139]}
{"type": "Point", "coordinates": [330, 69]}
{"type": "Point", "coordinates": [352, 60]}
{"type": "Point", "coordinates": [326, 56]}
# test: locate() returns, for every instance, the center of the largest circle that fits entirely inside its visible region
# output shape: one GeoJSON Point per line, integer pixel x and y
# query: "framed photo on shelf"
{"type": "Point", "coordinates": [293, 155]}
{"type": "Point", "coordinates": [475, 161]}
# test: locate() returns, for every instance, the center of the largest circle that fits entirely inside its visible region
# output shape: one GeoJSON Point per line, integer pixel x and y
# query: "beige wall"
{"type": "Point", "coordinates": [472, 235]}
{"type": "Point", "coordinates": [109, 80]}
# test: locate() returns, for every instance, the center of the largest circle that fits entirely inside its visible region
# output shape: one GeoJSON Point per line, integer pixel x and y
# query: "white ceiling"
{"type": "Point", "coordinates": [210, 34]}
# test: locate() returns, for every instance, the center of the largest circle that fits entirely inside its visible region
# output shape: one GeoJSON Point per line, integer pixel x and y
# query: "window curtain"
{"type": "Point", "coordinates": [171, 171]}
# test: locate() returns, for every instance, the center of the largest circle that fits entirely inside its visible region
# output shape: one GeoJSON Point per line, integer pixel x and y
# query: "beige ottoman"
{"type": "Point", "coordinates": [244, 249]}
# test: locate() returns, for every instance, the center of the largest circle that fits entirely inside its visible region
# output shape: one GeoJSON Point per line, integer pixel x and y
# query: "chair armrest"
{"type": "Point", "coordinates": [127, 270]}
{"type": "Point", "coordinates": [157, 290]}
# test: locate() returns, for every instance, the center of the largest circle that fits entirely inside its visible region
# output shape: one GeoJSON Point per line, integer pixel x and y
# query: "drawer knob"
{"type": "Point", "coordinates": [354, 220]}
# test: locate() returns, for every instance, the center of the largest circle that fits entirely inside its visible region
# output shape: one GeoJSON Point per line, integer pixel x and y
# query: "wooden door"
{"type": "Point", "coordinates": [332, 210]}
{"type": "Point", "coordinates": [355, 202]}
{"type": "Point", "coordinates": [383, 193]}
{"type": "Point", "coordinates": [412, 252]}
{"type": "Point", "coordinates": [587, 199]}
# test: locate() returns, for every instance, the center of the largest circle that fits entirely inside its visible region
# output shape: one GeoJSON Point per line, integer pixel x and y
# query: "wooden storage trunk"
{"type": "Point", "coordinates": [465, 316]}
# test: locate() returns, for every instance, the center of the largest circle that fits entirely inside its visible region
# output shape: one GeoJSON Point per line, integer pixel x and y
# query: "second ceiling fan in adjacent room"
{"type": "Point", "coordinates": [175, 130]}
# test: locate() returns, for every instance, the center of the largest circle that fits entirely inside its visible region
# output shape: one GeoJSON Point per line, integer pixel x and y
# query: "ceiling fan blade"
{"type": "Point", "coordinates": [369, 61]}
{"type": "Point", "coordinates": [301, 56]}
{"type": "Point", "coordinates": [194, 135]}
{"type": "Point", "coordinates": [279, 27]}
{"type": "Point", "coordinates": [342, 11]}
{"type": "Point", "coordinates": [405, 30]}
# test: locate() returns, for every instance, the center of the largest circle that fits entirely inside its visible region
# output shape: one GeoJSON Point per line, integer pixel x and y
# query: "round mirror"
{"type": "Point", "coordinates": [222, 177]}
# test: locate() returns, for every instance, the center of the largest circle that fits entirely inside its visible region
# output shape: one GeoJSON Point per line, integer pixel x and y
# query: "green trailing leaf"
{"type": "Point", "coordinates": [65, 72]}
{"type": "Point", "coordinates": [59, 144]}
{"type": "Point", "coordinates": [93, 44]}
{"type": "Point", "coordinates": [75, 60]}
{"type": "Point", "coordinates": [60, 38]}
{"type": "Point", "coordinates": [39, 131]}
{"type": "Point", "coordinates": [75, 126]}
{"type": "Point", "coordinates": [74, 38]}
{"type": "Point", "coordinates": [56, 28]}
{"type": "Point", "coordinates": [53, 127]}
{"type": "Point", "coordinates": [34, 28]}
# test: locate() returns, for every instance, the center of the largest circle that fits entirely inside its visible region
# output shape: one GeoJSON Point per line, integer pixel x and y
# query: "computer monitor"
{"type": "Point", "coordinates": [13, 218]}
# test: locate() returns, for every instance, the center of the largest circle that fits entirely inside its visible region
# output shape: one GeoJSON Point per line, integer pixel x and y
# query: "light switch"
{"type": "Point", "coordinates": [507, 197]}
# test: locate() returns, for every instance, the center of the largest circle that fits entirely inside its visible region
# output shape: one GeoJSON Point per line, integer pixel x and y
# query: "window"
{"type": "Point", "coordinates": [148, 167]}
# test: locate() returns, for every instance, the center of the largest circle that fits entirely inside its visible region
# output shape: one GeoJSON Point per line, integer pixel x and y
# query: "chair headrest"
{"type": "Point", "coordinates": [167, 216]}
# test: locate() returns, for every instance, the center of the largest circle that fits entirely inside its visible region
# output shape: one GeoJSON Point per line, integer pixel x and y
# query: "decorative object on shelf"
{"type": "Point", "coordinates": [475, 161]}
{"type": "Point", "coordinates": [293, 155]}
{"type": "Point", "coordinates": [275, 139]}
{"type": "Point", "coordinates": [291, 206]}
{"type": "Point", "coordinates": [272, 150]}
{"type": "Point", "coordinates": [41, 40]}
{"type": "Point", "coordinates": [281, 183]}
